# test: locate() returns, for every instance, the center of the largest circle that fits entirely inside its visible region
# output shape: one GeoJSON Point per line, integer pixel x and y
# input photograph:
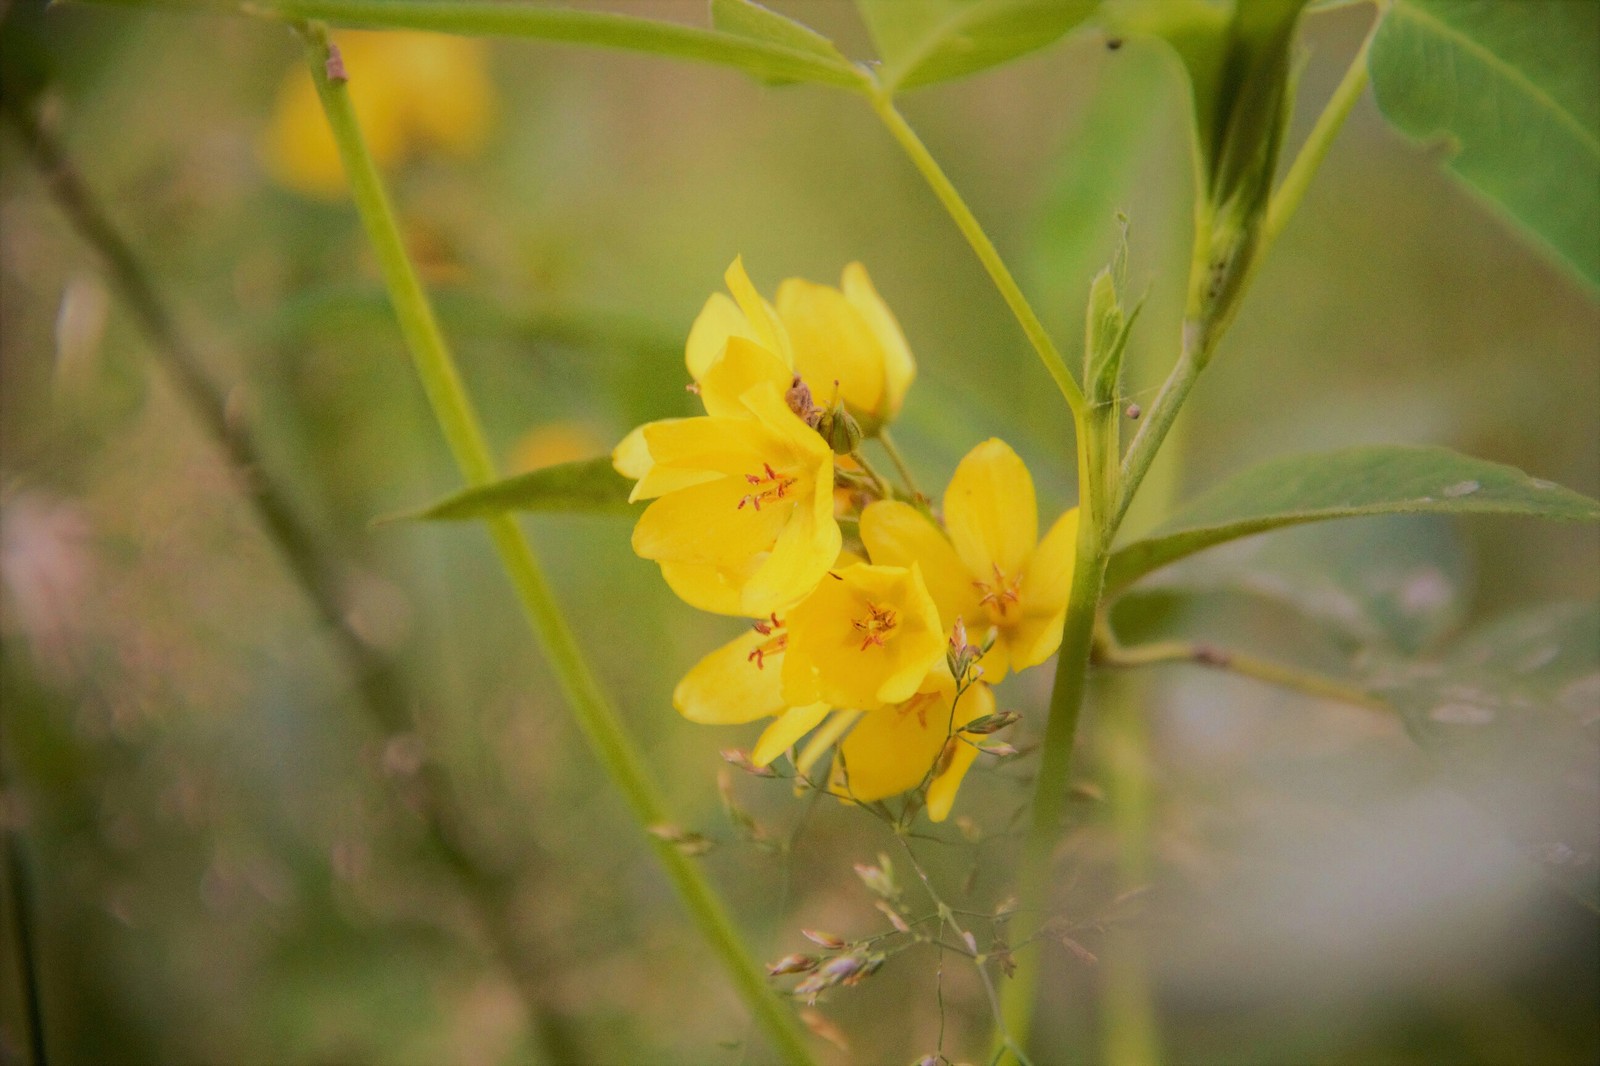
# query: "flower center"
{"type": "Point", "coordinates": [772, 627]}
{"type": "Point", "coordinates": [769, 487]}
{"type": "Point", "coordinates": [876, 626]}
{"type": "Point", "coordinates": [999, 594]}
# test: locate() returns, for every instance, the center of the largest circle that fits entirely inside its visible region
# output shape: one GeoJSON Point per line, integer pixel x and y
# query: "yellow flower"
{"type": "Point", "coordinates": [742, 521]}
{"type": "Point", "coordinates": [846, 335]}
{"type": "Point", "coordinates": [867, 636]}
{"type": "Point", "coordinates": [902, 742]}
{"type": "Point", "coordinates": [896, 748]}
{"type": "Point", "coordinates": [885, 752]}
{"type": "Point", "coordinates": [988, 570]}
{"type": "Point", "coordinates": [412, 93]}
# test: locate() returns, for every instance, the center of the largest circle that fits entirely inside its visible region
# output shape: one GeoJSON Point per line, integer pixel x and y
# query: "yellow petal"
{"type": "Point", "coordinates": [718, 320]}
{"type": "Point", "coordinates": [727, 687]}
{"type": "Point", "coordinates": [976, 702]}
{"type": "Point", "coordinates": [1044, 594]}
{"type": "Point", "coordinates": [705, 524]}
{"type": "Point", "coordinates": [742, 366]}
{"type": "Point", "coordinates": [823, 739]}
{"type": "Point", "coordinates": [790, 726]}
{"type": "Point", "coordinates": [707, 586]}
{"type": "Point", "coordinates": [764, 323]}
{"type": "Point", "coordinates": [1031, 641]}
{"type": "Point", "coordinates": [832, 343]}
{"type": "Point", "coordinates": [897, 534]}
{"type": "Point", "coordinates": [892, 749]}
{"type": "Point", "coordinates": [691, 451]}
{"type": "Point", "coordinates": [1048, 584]}
{"type": "Point", "coordinates": [899, 368]}
{"type": "Point", "coordinates": [631, 457]}
{"type": "Point", "coordinates": [990, 512]}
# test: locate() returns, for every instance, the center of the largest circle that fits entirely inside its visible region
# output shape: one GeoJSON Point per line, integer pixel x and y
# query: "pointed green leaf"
{"type": "Point", "coordinates": [589, 486]}
{"type": "Point", "coordinates": [760, 56]}
{"type": "Point", "coordinates": [745, 18]}
{"type": "Point", "coordinates": [1515, 88]}
{"type": "Point", "coordinates": [1392, 583]}
{"type": "Point", "coordinates": [1371, 480]}
{"type": "Point", "coordinates": [1513, 716]}
{"type": "Point", "coordinates": [927, 41]}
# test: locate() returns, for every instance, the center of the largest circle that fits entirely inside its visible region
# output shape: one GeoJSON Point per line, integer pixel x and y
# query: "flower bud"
{"type": "Point", "coordinates": [840, 429]}
{"type": "Point", "coordinates": [990, 723]}
{"type": "Point", "coordinates": [795, 963]}
{"type": "Point", "coordinates": [877, 880]}
{"type": "Point", "coordinates": [740, 760]}
{"type": "Point", "coordinates": [827, 940]}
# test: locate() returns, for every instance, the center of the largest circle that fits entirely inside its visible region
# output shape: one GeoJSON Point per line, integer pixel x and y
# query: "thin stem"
{"type": "Point", "coordinates": [25, 920]}
{"type": "Point", "coordinates": [454, 413]}
{"type": "Point", "coordinates": [900, 464]}
{"type": "Point", "coordinates": [947, 916]}
{"type": "Point", "coordinates": [1199, 653]}
{"type": "Point", "coordinates": [1129, 1029]}
{"type": "Point", "coordinates": [1055, 763]}
{"type": "Point", "coordinates": [970, 228]}
{"type": "Point", "coordinates": [1317, 144]}
{"type": "Point", "coordinates": [1153, 429]}
{"type": "Point", "coordinates": [880, 484]}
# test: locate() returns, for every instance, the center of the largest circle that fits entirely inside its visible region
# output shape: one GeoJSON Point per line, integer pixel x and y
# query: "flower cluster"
{"type": "Point", "coordinates": [861, 644]}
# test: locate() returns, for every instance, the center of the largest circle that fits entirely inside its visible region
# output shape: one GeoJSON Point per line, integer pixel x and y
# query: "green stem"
{"type": "Point", "coordinates": [970, 228]}
{"type": "Point", "coordinates": [901, 466]}
{"type": "Point", "coordinates": [1130, 1033]}
{"type": "Point", "coordinates": [453, 411]}
{"type": "Point", "coordinates": [880, 484]}
{"type": "Point", "coordinates": [1315, 149]}
{"type": "Point", "coordinates": [1199, 653]}
{"type": "Point", "coordinates": [1055, 764]}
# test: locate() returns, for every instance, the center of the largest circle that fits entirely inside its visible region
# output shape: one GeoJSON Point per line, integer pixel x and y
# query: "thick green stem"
{"type": "Point", "coordinates": [453, 410]}
{"type": "Point", "coordinates": [1130, 1034]}
{"type": "Point", "coordinates": [1055, 763]}
{"type": "Point", "coordinates": [970, 228]}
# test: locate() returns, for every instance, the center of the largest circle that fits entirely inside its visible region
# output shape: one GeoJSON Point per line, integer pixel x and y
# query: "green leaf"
{"type": "Point", "coordinates": [589, 486]}
{"type": "Point", "coordinates": [1371, 480]}
{"type": "Point", "coordinates": [1513, 716]}
{"type": "Point", "coordinates": [745, 18]}
{"type": "Point", "coordinates": [760, 56]}
{"type": "Point", "coordinates": [1516, 89]}
{"type": "Point", "coordinates": [927, 41]}
{"type": "Point", "coordinates": [1393, 583]}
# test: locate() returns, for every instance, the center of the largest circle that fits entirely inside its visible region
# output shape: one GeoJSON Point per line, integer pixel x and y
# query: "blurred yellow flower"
{"type": "Point", "coordinates": [990, 569]}
{"type": "Point", "coordinates": [412, 92]}
{"type": "Point", "coordinates": [566, 441]}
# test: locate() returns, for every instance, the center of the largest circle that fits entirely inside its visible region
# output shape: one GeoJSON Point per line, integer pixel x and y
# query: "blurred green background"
{"type": "Point", "coordinates": [226, 852]}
